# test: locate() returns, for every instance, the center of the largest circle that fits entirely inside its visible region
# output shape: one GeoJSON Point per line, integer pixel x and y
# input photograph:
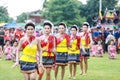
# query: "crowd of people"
{"type": "Point", "coordinates": [40, 51]}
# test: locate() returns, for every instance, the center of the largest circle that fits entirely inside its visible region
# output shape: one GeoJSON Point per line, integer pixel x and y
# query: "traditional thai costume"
{"type": "Point", "coordinates": [28, 58]}
{"type": "Point", "coordinates": [74, 50]}
{"type": "Point", "coordinates": [48, 56]}
{"type": "Point", "coordinates": [85, 45]}
{"type": "Point", "coordinates": [62, 49]}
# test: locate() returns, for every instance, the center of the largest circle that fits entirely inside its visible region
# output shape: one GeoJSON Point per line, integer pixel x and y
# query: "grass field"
{"type": "Point", "coordinates": [99, 69]}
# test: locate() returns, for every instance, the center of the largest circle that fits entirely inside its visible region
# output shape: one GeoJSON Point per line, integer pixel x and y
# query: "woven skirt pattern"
{"type": "Point", "coordinates": [26, 66]}
{"type": "Point", "coordinates": [74, 57]}
{"type": "Point", "coordinates": [62, 57]}
{"type": "Point", "coordinates": [87, 54]}
{"type": "Point", "coordinates": [47, 60]}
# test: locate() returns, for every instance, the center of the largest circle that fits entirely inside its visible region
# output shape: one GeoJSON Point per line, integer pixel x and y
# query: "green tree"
{"type": "Point", "coordinates": [4, 16]}
{"type": "Point", "coordinates": [22, 17]}
{"type": "Point", "coordinates": [63, 11]}
{"type": "Point", "coordinates": [92, 8]}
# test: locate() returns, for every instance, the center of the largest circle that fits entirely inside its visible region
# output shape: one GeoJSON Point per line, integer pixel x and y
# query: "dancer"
{"type": "Point", "coordinates": [74, 52]}
{"type": "Point", "coordinates": [29, 45]}
{"type": "Point", "coordinates": [63, 42]}
{"type": "Point", "coordinates": [86, 40]}
{"type": "Point", "coordinates": [112, 50]}
{"type": "Point", "coordinates": [48, 49]}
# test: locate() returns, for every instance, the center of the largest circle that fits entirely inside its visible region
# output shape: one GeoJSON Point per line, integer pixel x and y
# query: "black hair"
{"type": "Point", "coordinates": [86, 25]}
{"type": "Point", "coordinates": [62, 23]}
{"type": "Point", "coordinates": [29, 24]}
{"type": "Point", "coordinates": [7, 41]}
{"type": "Point", "coordinates": [74, 26]}
{"type": "Point", "coordinates": [111, 40]}
{"type": "Point", "coordinates": [47, 23]}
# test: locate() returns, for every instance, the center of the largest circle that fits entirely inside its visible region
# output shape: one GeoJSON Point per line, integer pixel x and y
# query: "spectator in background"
{"type": "Point", "coordinates": [2, 37]}
{"type": "Point", "coordinates": [99, 49]}
{"type": "Point", "coordinates": [96, 35]}
{"type": "Point", "coordinates": [12, 33]}
{"type": "Point", "coordinates": [7, 34]}
{"type": "Point", "coordinates": [106, 33]}
{"type": "Point", "coordinates": [7, 50]}
{"type": "Point", "coordinates": [18, 34]}
{"type": "Point", "coordinates": [112, 50]}
{"type": "Point", "coordinates": [109, 38]}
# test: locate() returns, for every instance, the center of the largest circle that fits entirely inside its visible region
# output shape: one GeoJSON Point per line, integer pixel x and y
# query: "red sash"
{"type": "Point", "coordinates": [67, 37]}
{"type": "Point", "coordinates": [25, 43]}
{"type": "Point", "coordinates": [50, 44]}
{"type": "Point", "coordinates": [87, 38]}
{"type": "Point", "coordinates": [78, 41]}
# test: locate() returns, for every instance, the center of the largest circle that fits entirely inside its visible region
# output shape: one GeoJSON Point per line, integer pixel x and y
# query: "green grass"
{"type": "Point", "coordinates": [99, 69]}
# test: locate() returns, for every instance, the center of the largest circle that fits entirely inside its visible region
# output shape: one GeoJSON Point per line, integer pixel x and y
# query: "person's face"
{"type": "Point", "coordinates": [47, 29]}
{"type": "Point", "coordinates": [99, 42]}
{"type": "Point", "coordinates": [15, 44]}
{"type": "Point", "coordinates": [112, 42]}
{"type": "Point", "coordinates": [73, 31]}
{"type": "Point", "coordinates": [61, 29]}
{"type": "Point", "coordinates": [30, 30]}
{"type": "Point", "coordinates": [85, 28]}
{"type": "Point", "coordinates": [8, 42]}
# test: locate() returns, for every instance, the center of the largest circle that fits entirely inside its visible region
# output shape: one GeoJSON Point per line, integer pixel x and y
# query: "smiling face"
{"type": "Point", "coordinates": [47, 29]}
{"type": "Point", "coordinates": [30, 30]}
{"type": "Point", "coordinates": [61, 29]}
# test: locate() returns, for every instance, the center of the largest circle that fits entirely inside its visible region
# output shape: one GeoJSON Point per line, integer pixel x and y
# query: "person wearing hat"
{"type": "Point", "coordinates": [86, 40]}
{"type": "Point", "coordinates": [48, 44]}
{"type": "Point", "coordinates": [73, 52]}
{"type": "Point", "coordinates": [63, 42]}
{"type": "Point", "coordinates": [29, 45]}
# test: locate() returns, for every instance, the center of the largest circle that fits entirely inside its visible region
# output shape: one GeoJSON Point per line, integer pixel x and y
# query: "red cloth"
{"type": "Point", "coordinates": [18, 35]}
{"type": "Point", "coordinates": [25, 43]}
{"type": "Point", "coordinates": [87, 38]}
{"type": "Point", "coordinates": [67, 37]}
{"type": "Point", "coordinates": [78, 41]}
{"type": "Point", "coordinates": [50, 44]}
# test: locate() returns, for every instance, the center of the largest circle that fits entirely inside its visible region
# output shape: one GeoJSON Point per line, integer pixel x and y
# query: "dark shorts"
{"type": "Point", "coordinates": [87, 54]}
{"type": "Point", "coordinates": [48, 60]}
{"type": "Point", "coordinates": [74, 57]}
{"type": "Point", "coordinates": [61, 57]}
{"type": "Point", "coordinates": [26, 66]}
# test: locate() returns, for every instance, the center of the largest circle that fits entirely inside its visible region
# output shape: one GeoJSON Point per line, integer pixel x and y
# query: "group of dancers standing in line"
{"type": "Point", "coordinates": [39, 55]}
